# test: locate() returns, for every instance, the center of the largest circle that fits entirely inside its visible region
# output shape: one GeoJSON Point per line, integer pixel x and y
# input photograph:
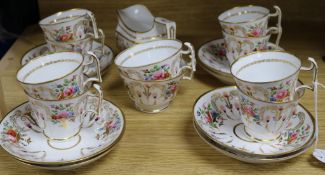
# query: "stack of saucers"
{"type": "Point", "coordinates": [152, 72]}
{"type": "Point", "coordinates": [72, 30]}
{"type": "Point", "coordinates": [64, 124]}
{"type": "Point", "coordinates": [245, 30]}
{"type": "Point", "coordinates": [260, 120]}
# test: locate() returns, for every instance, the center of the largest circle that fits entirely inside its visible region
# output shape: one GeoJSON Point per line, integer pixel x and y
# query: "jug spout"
{"type": "Point", "coordinates": [136, 18]}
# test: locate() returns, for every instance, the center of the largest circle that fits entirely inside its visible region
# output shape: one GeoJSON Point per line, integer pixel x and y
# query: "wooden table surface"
{"type": "Point", "coordinates": [166, 143]}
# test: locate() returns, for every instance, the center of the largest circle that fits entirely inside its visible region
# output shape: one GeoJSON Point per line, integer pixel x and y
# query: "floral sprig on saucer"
{"type": "Point", "coordinates": [210, 115]}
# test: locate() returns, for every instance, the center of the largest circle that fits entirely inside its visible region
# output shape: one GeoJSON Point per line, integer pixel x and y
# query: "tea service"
{"type": "Point", "coordinates": [259, 120]}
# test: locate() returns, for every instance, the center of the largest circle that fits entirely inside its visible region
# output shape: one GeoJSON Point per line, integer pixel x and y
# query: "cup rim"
{"type": "Point", "coordinates": [248, 37]}
{"type": "Point", "coordinates": [137, 45]}
{"type": "Point", "coordinates": [70, 18]}
{"type": "Point", "coordinates": [49, 81]}
{"type": "Point", "coordinates": [266, 51]}
{"type": "Point", "coordinates": [180, 74]}
{"type": "Point", "coordinates": [237, 7]}
{"type": "Point", "coordinates": [296, 98]}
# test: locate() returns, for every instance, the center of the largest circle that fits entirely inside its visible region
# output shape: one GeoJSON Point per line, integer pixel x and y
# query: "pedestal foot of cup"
{"type": "Point", "coordinates": [151, 109]}
{"type": "Point", "coordinates": [64, 144]}
{"type": "Point", "coordinates": [261, 137]}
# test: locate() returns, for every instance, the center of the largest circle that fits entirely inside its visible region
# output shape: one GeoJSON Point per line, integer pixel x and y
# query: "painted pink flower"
{"type": "Point", "coordinates": [281, 94]}
{"type": "Point", "coordinates": [292, 138]}
{"type": "Point", "coordinates": [248, 110]}
{"type": "Point", "coordinates": [13, 135]}
{"type": "Point", "coordinates": [65, 37]}
{"type": "Point", "coordinates": [173, 88]}
{"type": "Point", "coordinates": [256, 32]}
{"type": "Point", "coordinates": [68, 92]}
{"type": "Point", "coordinates": [159, 75]}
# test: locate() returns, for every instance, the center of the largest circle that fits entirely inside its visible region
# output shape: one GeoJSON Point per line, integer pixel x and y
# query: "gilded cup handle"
{"type": "Point", "coordinates": [277, 13]}
{"type": "Point", "coordinates": [97, 79]}
{"type": "Point", "coordinates": [93, 112]}
{"type": "Point", "coordinates": [313, 67]}
{"type": "Point", "coordinates": [94, 24]}
{"type": "Point", "coordinates": [192, 64]}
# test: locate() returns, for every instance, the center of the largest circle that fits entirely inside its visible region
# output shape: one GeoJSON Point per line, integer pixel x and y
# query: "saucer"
{"type": "Point", "coordinates": [217, 114]}
{"type": "Point", "coordinates": [105, 60]}
{"type": "Point", "coordinates": [30, 146]}
{"type": "Point", "coordinates": [212, 58]}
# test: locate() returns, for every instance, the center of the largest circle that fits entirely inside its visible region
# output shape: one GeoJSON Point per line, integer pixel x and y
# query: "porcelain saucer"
{"type": "Point", "coordinates": [105, 59]}
{"type": "Point", "coordinates": [30, 146]}
{"type": "Point", "coordinates": [217, 115]}
{"type": "Point", "coordinates": [212, 58]}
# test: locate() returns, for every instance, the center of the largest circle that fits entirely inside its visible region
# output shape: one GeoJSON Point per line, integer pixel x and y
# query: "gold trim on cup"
{"type": "Point", "coordinates": [71, 161]}
{"type": "Point", "coordinates": [152, 47]}
{"type": "Point", "coordinates": [253, 154]}
{"type": "Point", "coordinates": [239, 13]}
{"type": "Point", "coordinates": [49, 81]}
{"type": "Point", "coordinates": [266, 51]}
{"type": "Point", "coordinates": [57, 13]}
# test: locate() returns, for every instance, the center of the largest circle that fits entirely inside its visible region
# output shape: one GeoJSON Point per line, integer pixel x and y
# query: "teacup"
{"type": "Point", "coordinates": [57, 76]}
{"type": "Point", "coordinates": [63, 119]}
{"type": "Point", "coordinates": [152, 96]}
{"type": "Point", "coordinates": [248, 21]}
{"type": "Point", "coordinates": [82, 46]}
{"type": "Point", "coordinates": [155, 60]}
{"type": "Point", "coordinates": [240, 46]}
{"type": "Point", "coordinates": [270, 76]}
{"type": "Point", "coordinates": [69, 25]}
{"type": "Point", "coordinates": [265, 121]}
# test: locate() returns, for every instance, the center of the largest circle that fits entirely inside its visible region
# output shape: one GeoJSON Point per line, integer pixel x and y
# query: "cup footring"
{"type": "Point", "coordinates": [151, 109]}
{"type": "Point", "coordinates": [260, 139]}
{"type": "Point", "coordinates": [64, 144]}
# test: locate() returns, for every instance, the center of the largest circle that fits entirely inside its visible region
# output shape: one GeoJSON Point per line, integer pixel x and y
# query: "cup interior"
{"type": "Point", "coordinates": [63, 16]}
{"type": "Point", "coordinates": [243, 14]}
{"type": "Point", "coordinates": [148, 53]}
{"type": "Point", "coordinates": [265, 66]}
{"type": "Point", "coordinates": [49, 67]}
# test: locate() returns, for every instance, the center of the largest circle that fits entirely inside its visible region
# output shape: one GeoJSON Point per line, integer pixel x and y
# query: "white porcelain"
{"type": "Point", "coordinates": [237, 47]}
{"type": "Point", "coordinates": [249, 21]}
{"type": "Point", "coordinates": [212, 58]}
{"type": "Point", "coordinates": [104, 59]}
{"type": "Point", "coordinates": [277, 75]}
{"type": "Point", "coordinates": [29, 146]}
{"type": "Point", "coordinates": [266, 120]}
{"type": "Point", "coordinates": [155, 60]}
{"type": "Point", "coordinates": [249, 158]}
{"type": "Point", "coordinates": [57, 76]}
{"type": "Point", "coordinates": [65, 117]}
{"type": "Point", "coordinates": [217, 114]}
{"type": "Point", "coordinates": [69, 25]}
{"type": "Point", "coordinates": [152, 96]}
{"type": "Point", "coordinates": [138, 25]}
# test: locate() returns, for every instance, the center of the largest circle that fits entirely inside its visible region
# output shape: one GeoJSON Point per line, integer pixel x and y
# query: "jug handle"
{"type": "Point", "coordinates": [170, 26]}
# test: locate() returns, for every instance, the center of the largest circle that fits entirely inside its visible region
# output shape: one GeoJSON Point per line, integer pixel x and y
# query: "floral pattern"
{"type": "Point", "coordinates": [62, 112]}
{"type": "Point", "coordinates": [281, 92]}
{"type": "Point", "coordinates": [257, 29]}
{"type": "Point", "coordinates": [14, 135]}
{"type": "Point", "coordinates": [157, 72]}
{"type": "Point", "coordinates": [68, 89]}
{"type": "Point", "coordinates": [210, 115]}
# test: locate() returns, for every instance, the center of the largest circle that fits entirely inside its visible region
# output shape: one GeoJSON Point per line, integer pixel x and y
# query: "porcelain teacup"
{"type": "Point", "coordinates": [57, 76]}
{"type": "Point", "coordinates": [69, 25]}
{"type": "Point", "coordinates": [240, 46]}
{"type": "Point", "coordinates": [248, 21]}
{"type": "Point", "coordinates": [270, 76]}
{"type": "Point", "coordinates": [152, 96]}
{"type": "Point", "coordinates": [63, 119]}
{"type": "Point", "coordinates": [155, 60]}
{"type": "Point", "coordinates": [265, 121]}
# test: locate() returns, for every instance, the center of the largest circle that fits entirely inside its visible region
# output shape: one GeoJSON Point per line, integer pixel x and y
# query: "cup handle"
{"type": "Point", "coordinates": [313, 67]}
{"type": "Point", "coordinates": [101, 40]}
{"type": "Point", "coordinates": [192, 64]}
{"type": "Point", "coordinates": [94, 24]}
{"type": "Point", "coordinates": [93, 112]}
{"type": "Point", "coordinates": [278, 27]}
{"type": "Point", "coordinates": [170, 26]}
{"type": "Point", "coordinates": [99, 77]}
